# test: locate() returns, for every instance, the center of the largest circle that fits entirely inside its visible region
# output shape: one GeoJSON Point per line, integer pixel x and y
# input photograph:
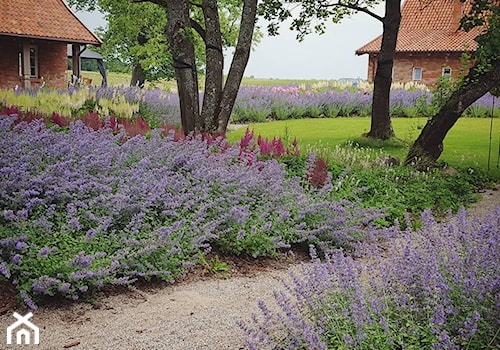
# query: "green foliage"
{"type": "Point", "coordinates": [294, 165]}
{"type": "Point", "coordinates": [401, 190]}
{"type": "Point", "coordinates": [485, 12]}
{"type": "Point", "coordinates": [76, 104]}
{"type": "Point", "coordinates": [215, 265]}
{"type": "Point", "coordinates": [312, 15]}
{"type": "Point", "coordinates": [135, 36]}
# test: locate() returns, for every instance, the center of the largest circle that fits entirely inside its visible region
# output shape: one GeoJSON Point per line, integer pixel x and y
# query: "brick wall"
{"type": "Point", "coordinates": [372, 67]}
{"type": "Point", "coordinates": [431, 63]}
{"type": "Point", "coordinates": [52, 62]}
{"type": "Point", "coordinates": [9, 62]}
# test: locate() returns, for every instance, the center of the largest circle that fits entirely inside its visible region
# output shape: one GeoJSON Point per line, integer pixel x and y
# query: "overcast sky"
{"type": "Point", "coordinates": [327, 56]}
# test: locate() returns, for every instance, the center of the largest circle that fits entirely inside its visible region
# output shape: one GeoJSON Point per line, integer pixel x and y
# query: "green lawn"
{"type": "Point", "coordinates": [116, 79]}
{"type": "Point", "coordinates": [465, 145]}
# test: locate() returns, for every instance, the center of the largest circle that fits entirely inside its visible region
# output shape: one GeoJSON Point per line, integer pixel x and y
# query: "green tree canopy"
{"type": "Point", "coordinates": [134, 39]}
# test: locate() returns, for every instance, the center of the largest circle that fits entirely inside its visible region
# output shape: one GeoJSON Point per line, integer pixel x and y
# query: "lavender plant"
{"type": "Point", "coordinates": [254, 104]}
{"type": "Point", "coordinates": [435, 288]}
{"type": "Point", "coordinates": [80, 209]}
{"type": "Point", "coordinates": [258, 104]}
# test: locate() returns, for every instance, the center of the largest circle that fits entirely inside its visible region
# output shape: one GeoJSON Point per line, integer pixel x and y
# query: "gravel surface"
{"type": "Point", "coordinates": [194, 315]}
{"type": "Point", "coordinates": [190, 315]}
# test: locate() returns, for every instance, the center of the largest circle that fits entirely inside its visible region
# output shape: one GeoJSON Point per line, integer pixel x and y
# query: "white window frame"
{"type": "Point", "coordinates": [446, 75]}
{"type": "Point", "coordinates": [35, 61]}
{"type": "Point", "coordinates": [417, 76]}
{"type": "Point", "coordinates": [27, 61]}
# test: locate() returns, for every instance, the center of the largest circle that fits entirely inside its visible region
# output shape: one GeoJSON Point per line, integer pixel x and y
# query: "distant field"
{"type": "Point", "coordinates": [115, 79]}
{"type": "Point", "coordinates": [124, 79]}
{"type": "Point", "coordinates": [274, 82]}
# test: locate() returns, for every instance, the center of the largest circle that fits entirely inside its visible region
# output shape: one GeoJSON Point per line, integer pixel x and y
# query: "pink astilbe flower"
{"type": "Point", "coordinates": [246, 141]}
{"type": "Point", "coordinates": [135, 127]}
{"type": "Point", "coordinates": [318, 174]}
{"type": "Point", "coordinates": [59, 119]}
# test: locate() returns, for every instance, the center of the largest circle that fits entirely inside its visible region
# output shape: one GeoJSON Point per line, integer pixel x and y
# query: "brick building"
{"type": "Point", "coordinates": [429, 44]}
{"type": "Point", "coordinates": [33, 42]}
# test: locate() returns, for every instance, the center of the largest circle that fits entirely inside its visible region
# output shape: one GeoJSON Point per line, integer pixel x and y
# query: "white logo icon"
{"type": "Point", "coordinates": [23, 332]}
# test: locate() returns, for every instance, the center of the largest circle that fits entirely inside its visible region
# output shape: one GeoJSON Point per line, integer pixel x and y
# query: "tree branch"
{"type": "Point", "coordinates": [199, 29]}
{"type": "Point", "coordinates": [162, 3]}
{"type": "Point", "coordinates": [354, 7]}
{"type": "Point", "coordinates": [195, 4]}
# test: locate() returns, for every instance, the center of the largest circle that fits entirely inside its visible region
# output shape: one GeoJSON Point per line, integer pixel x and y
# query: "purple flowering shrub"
{"type": "Point", "coordinates": [80, 209]}
{"type": "Point", "coordinates": [259, 104]}
{"type": "Point", "coordinates": [435, 288]}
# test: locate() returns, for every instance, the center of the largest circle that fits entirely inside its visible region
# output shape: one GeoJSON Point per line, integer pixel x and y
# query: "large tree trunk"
{"type": "Point", "coordinates": [214, 66]}
{"type": "Point", "coordinates": [238, 64]}
{"type": "Point", "coordinates": [138, 76]}
{"type": "Point", "coordinates": [381, 127]}
{"type": "Point", "coordinates": [429, 144]}
{"type": "Point", "coordinates": [178, 31]}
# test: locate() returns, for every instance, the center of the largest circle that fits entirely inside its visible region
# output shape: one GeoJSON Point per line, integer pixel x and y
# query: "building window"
{"type": "Point", "coordinates": [417, 74]}
{"type": "Point", "coordinates": [20, 64]}
{"type": "Point", "coordinates": [446, 73]}
{"type": "Point", "coordinates": [33, 62]}
{"type": "Point", "coordinates": [30, 61]}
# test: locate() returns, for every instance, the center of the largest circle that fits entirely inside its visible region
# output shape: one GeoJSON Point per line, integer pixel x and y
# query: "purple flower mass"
{"type": "Point", "coordinates": [102, 211]}
{"type": "Point", "coordinates": [258, 104]}
{"type": "Point", "coordinates": [433, 288]}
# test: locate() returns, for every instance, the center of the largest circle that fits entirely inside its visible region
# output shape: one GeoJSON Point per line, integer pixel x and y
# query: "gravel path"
{"type": "Point", "coordinates": [190, 315]}
{"type": "Point", "coordinates": [194, 315]}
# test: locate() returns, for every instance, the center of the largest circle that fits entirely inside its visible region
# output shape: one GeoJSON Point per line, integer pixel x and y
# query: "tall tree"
{"type": "Point", "coordinates": [214, 23]}
{"type": "Point", "coordinates": [275, 11]}
{"type": "Point", "coordinates": [482, 77]}
{"type": "Point", "coordinates": [220, 98]}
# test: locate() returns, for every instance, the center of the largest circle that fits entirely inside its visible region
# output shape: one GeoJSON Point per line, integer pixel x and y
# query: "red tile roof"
{"type": "Point", "coordinates": [429, 26]}
{"type": "Point", "coordinates": [43, 19]}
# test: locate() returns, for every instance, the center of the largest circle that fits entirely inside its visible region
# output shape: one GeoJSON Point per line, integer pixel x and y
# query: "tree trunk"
{"type": "Point", "coordinates": [138, 76]}
{"type": "Point", "coordinates": [238, 64]}
{"type": "Point", "coordinates": [381, 127]}
{"type": "Point", "coordinates": [429, 144]}
{"type": "Point", "coordinates": [178, 33]}
{"type": "Point", "coordinates": [214, 66]}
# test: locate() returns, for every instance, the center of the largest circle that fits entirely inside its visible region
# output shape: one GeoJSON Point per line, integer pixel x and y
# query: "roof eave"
{"type": "Point", "coordinates": [436, 51]}
{"type": "Point", "coordinates": [78, 19]}
{"type": "Point", "coordinates": [359, 53]}
{"type": "Point", "coordinates": [66, 40]}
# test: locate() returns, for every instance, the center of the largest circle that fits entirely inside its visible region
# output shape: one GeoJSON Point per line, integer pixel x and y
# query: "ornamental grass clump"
{"type": "Point", "coordinates": [81, 209]}
{"type": "Point", "coordinates": [435, 288]}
